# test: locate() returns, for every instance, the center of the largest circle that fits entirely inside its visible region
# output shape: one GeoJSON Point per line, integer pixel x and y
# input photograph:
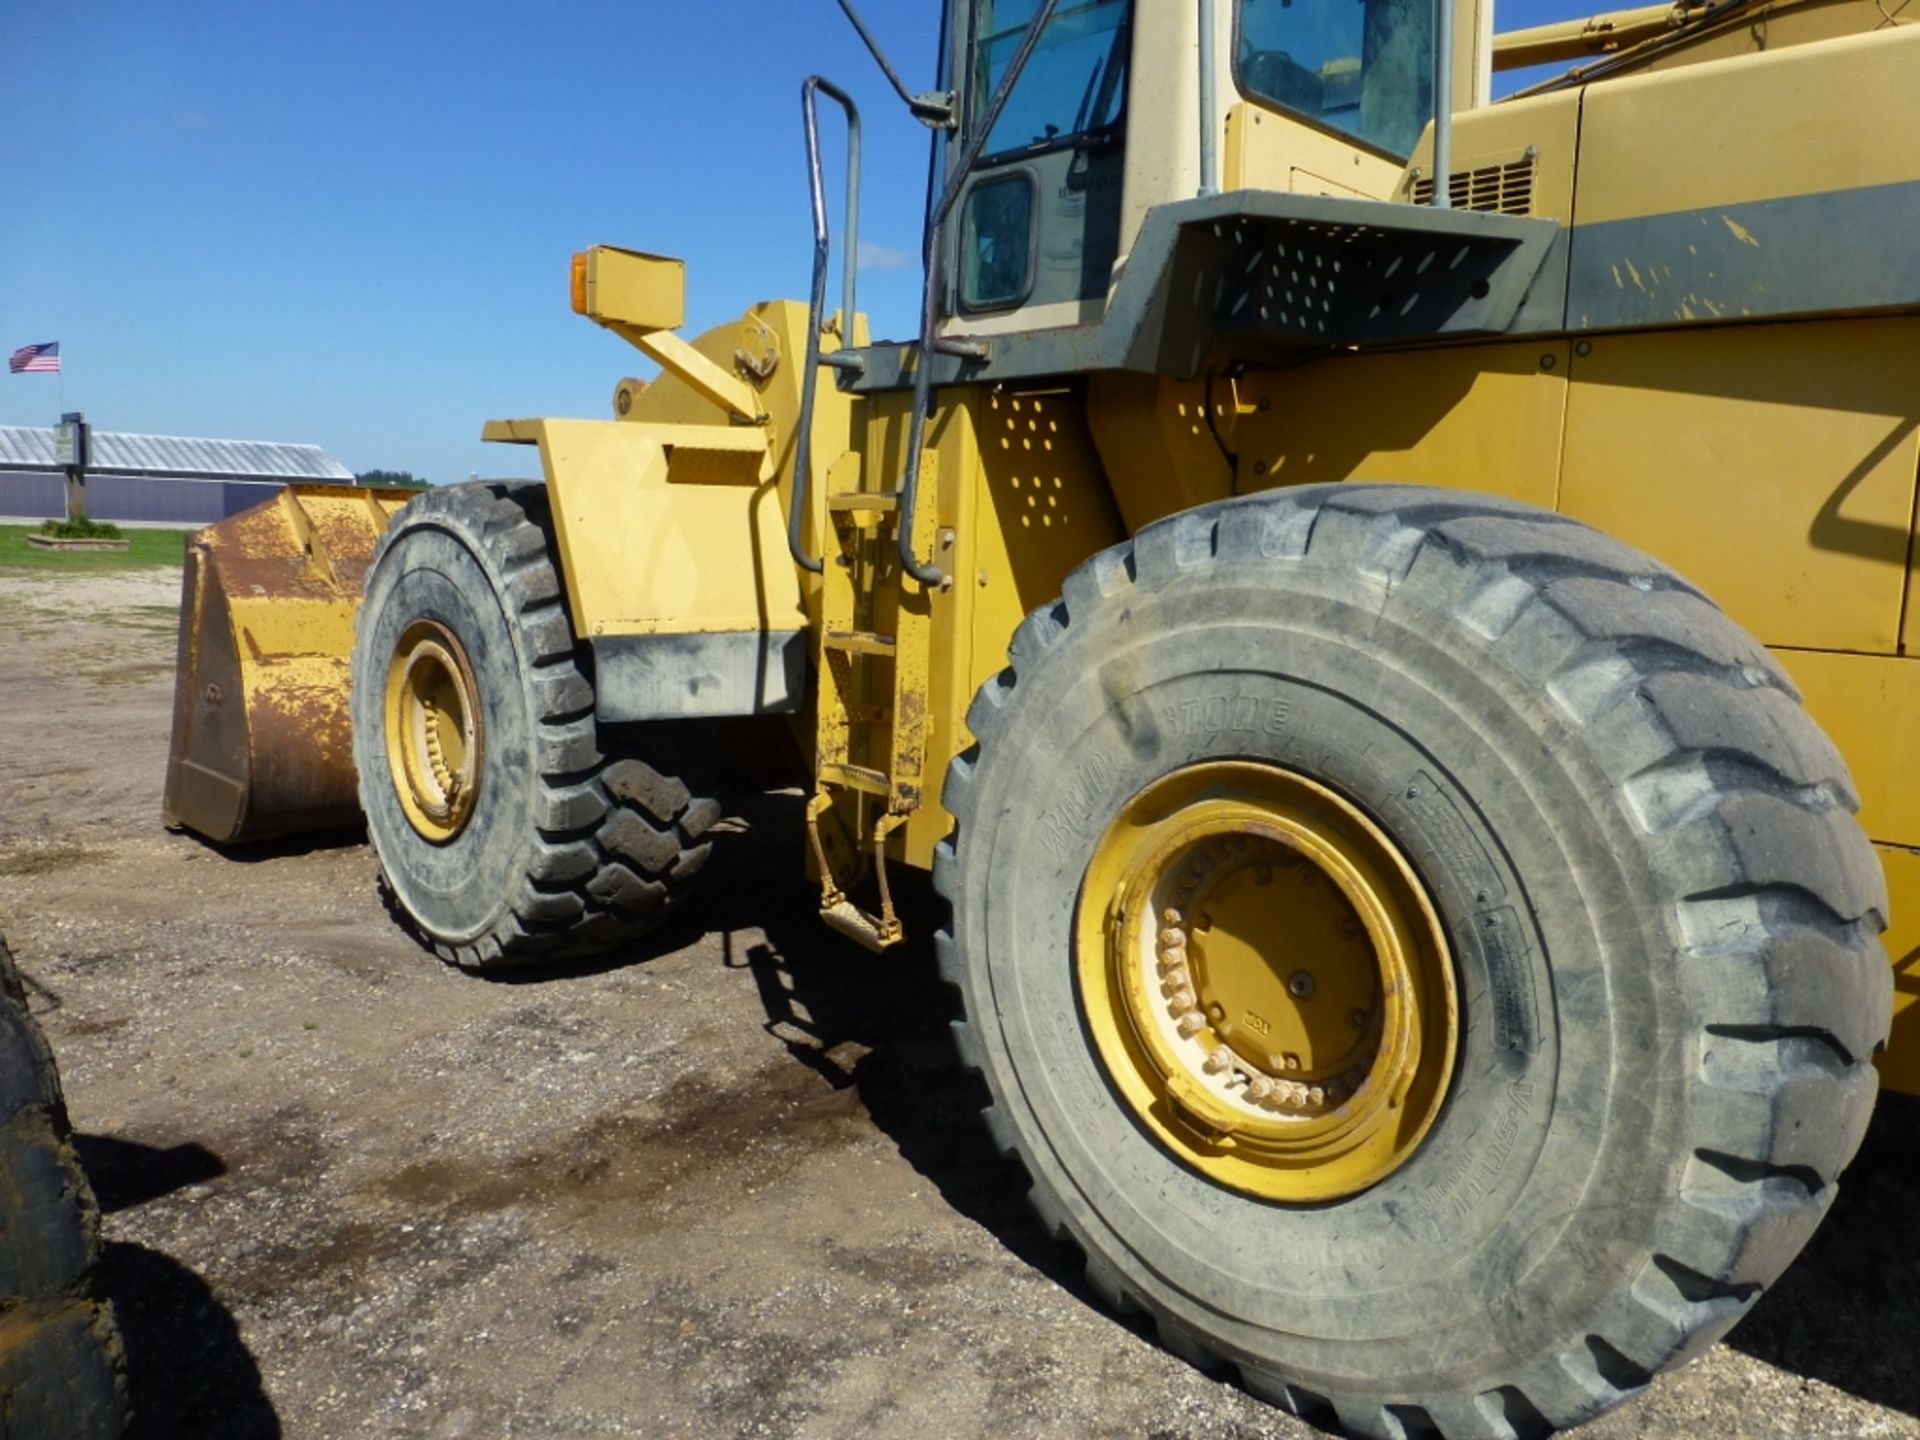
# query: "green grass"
{"type": "Point", "coordinates": [146, 549]}
{"type": "Point", "coordinates": [81, 529]}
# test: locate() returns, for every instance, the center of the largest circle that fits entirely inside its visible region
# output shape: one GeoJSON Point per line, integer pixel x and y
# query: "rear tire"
{"type": "Point", "coordinates": [1663, 923]}
{"type": "Point", "coordinates": [62, 1370]}
{"type": "Point", "coordinates": [546, 847]}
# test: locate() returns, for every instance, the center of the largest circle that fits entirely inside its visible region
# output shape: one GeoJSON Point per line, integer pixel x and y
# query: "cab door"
{"type": "Point", "coordinates": [1039, 220]}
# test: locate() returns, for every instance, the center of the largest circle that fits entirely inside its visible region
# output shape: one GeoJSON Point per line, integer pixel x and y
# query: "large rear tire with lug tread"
{"type": "Point", "coordinates": [1420, 949]}
{"type": "Point", "coordinates": [62, 1370]}
{"type": "Point", "coordinates": [506, 835]}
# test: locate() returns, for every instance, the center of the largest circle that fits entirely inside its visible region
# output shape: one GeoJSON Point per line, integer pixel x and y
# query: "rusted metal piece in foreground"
{"type": "Point", "coordinates": [261, 742]}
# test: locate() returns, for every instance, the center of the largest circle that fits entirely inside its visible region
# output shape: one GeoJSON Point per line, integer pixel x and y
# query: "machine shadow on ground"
{"type": "Point", "coordinates": [190, 1375]}
{"type": "Point", "coordinates": [875, 1024]}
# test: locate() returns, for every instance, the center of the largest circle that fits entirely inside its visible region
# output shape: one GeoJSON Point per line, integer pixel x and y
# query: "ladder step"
{"type": "Point", "coordinates": [870, 931]}
{"type": "Point", "coordinates": [860, 642]}
{"type": "Point", "coordinates": [864, 500]}
{"type": "Point", "coordinates": [857, 777]}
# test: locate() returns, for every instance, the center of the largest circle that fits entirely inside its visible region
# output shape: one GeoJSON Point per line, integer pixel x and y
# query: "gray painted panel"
{"type": "Point", "coordinates": [1544, 311]}
{"type": "Point", "coordinates": [696, 677]}
{"type": "Point", "coordinates": [1245, 275]}
{"type": "Point", "coordinates": [1837, 251]}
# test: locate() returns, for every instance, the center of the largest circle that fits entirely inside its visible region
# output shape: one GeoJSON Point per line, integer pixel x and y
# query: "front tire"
{"type": "Point", "coordinates": [505, 834]}
{"type": "Point", "coordinates": [1656, 916]}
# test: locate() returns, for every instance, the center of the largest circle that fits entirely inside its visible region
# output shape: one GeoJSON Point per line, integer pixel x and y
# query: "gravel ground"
{"type": "Point", "coordinates": [730, 1187]}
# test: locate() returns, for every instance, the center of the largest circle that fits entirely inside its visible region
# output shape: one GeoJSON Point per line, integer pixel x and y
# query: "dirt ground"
{"type": "Point", "coordinates": [730, 1187]}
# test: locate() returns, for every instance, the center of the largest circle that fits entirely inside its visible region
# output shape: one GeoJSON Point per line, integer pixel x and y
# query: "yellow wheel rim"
{"type": "Point", "coordinates": [433, 730]}
{"type": "Point", "coordinates": [1267, 982]}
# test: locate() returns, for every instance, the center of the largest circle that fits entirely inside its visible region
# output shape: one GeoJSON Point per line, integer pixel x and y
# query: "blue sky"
{"type": "Point", "coordinates": [350, 223]}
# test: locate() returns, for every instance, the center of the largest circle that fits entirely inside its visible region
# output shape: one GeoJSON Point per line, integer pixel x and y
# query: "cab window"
{"type": "Point", "coordinates": [998, 243]}
{"type": "Point", "coordinates": [1363, 68]}
{"type": "Point", "coordinates": [1074, 83]}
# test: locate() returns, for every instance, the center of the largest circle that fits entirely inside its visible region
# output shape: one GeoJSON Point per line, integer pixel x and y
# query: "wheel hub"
{"type": "Point", "coordinates": [434, 734]}
{"type": "Point", "coordinates": [1267, 981]}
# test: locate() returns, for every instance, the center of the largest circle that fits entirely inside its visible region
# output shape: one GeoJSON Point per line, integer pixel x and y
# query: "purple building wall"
{"type": "Point", "coordinates": [133, 497]}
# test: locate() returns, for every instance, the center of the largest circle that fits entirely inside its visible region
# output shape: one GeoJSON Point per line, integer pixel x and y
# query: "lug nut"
{"type": "Point", "coordinates": [1301, 985]}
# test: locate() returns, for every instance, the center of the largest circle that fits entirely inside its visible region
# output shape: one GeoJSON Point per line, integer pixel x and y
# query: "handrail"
{"type": "Point", "coordinates": [925, 572]}
{"type": "Point", "coordinates": [1442, 104]}
{"type": "Point", "coordinates": [816, 311]}
{"type": "Point", "coordinates": [1209, 105]}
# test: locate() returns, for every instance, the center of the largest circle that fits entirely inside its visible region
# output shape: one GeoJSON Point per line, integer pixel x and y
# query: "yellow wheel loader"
{"type": "Point", "coordinates": [1389, 617]}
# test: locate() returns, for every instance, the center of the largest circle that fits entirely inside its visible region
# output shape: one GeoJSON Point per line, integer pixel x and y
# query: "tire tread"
{"type": "Point", "coordinates": [1671, 693]}
{"type": "Point", "coordinates": [62, 1366]}
{"type": "Point", "coordinates": [617, 842]}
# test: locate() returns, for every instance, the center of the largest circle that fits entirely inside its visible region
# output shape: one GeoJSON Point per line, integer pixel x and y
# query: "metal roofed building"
{"type": "Point", "coordinates": [165, 478]}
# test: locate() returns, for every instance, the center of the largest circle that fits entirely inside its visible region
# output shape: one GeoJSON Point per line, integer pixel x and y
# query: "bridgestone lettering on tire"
{"type": "Point", "coordinates": [1664, 921]}
{"type": "Point", "coordinates": [569, 850]}
{"type": "Point", "coordinates": [62, 1372]}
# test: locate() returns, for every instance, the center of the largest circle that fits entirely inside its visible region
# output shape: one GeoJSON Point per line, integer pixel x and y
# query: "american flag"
{"type": "Point", "coordinates": [29, 358]}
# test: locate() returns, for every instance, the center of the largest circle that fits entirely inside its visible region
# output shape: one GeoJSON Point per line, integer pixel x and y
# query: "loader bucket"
{"type": "Point", "coordinates": [261, 738]}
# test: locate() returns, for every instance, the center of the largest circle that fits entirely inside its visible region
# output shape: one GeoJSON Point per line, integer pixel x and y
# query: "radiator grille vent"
{"type": "Point", "coordinates": [1498, 189]}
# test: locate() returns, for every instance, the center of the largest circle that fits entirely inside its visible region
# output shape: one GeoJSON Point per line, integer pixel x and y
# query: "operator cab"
{"type": "Point", "coordinates": [1322, 96]}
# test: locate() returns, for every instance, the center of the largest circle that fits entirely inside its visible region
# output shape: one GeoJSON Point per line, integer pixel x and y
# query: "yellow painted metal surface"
{"type": "Point", "coordinates": [1772, 465]}
{"type": "Point", "coordinates": [1752, 30]}
{"type": "Point", "coordinates": [261, 744]}
{"type": "Point", "coordinates": [952, 442]}
{"type": "Point", "coordinates": [1586, 37]}
{"type": "Point", "coordinates": [1486, 418]}
{"type": "Point", "coordinates": [728, 391]}
{"type": "Point", "coordinates": [1269, 987]}
{"type": "Point", "coordinates": [1647, 146]}
{"type": "Point", "coordinates": [1161, 441]}
{"type": "Point", "coordinates": [1266, 150]}
{"type": "Point", "coordinates": [1022, 500]}
{"type": "Point", "coordinates": [1541, 133]}
{"type": "Point", "coordinates": [1868, 705]}
{"type": "Point", "coordinates": [1900, 1065]}
{"type": "Point", "coordinates": [1042, 506]}
{"type": "Point", "coordinates": [630, 288]}
{"type": "Point", "coordinates": [671, 520]}
{"type": "Point", "coordinates": [765, 349]}
{"type": "Point", "coordinates": [873, 661]}
{"type": "Point", "coordinates": [641, 551]}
